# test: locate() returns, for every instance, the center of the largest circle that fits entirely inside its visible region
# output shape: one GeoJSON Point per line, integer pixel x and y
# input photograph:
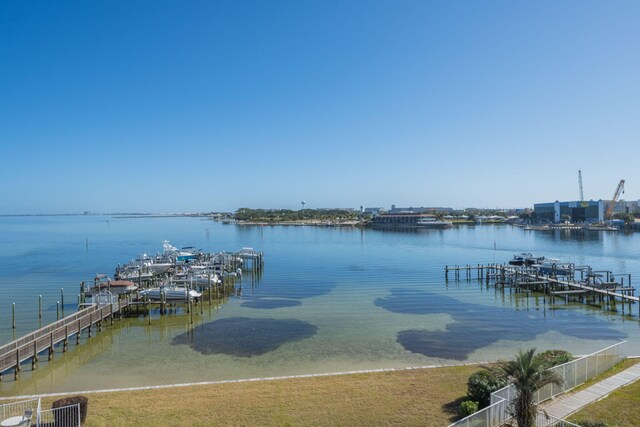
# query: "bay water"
{"type": "Point", "coordinates": [331, 299]}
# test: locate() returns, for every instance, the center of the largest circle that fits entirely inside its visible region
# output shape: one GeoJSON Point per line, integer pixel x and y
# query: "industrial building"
{"type": "Point", "coordinates": [585, 211]}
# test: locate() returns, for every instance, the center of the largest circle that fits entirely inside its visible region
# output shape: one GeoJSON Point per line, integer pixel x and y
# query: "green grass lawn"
{"type": "Point", "coordinates": [620, 409]}
{"type": "Point", "coordinates": [427, 397]}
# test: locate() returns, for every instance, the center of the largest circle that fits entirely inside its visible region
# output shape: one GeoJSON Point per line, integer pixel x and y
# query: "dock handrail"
{"type": "Point", "coordinates": [29, 345]}
{"type": "Point", "coordinates": [47, 329]}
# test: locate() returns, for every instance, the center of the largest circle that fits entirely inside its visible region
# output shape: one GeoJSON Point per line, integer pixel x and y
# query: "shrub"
{"type": "Point", "coordinates": [552, 358]}
{"type": "Point", "coordinates": [63, 416]}
{"type": "Point", "coordinates": [468, 407]}
{"type": "Point", "coordinates": [482, 383]}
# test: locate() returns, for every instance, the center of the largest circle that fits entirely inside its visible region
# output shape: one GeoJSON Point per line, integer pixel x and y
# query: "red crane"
{"type": "Point", "coordinates": [619, 190]}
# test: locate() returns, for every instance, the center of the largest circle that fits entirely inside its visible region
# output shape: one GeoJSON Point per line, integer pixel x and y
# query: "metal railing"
{"type": "Point", "coordinates": [65, 416]}
{"type": "Point", "coordinates": [574, 373]}
{"type": "Point", "coordinates": [544, 420]}
{"type": "Point", "coordinates": [30, 413]}
{"type": "Point", "coordinates": [15, 409]}
{"type": "Point", "coordinates": [28, 346]}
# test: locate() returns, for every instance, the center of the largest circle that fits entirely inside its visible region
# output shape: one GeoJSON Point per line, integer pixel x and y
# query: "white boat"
{"type": "Point", "coordinates": [185, 254]}
{"type": "Point", "coordinates": [135, 274]}
{"type": "Point", "coordinates": [160, 268]}
{"type": "Point", "coordinates": [171, 293]}
{"type": "Point", "coordinates": [156, 266]}
{"type": "Point", "coordinates": [553, 267]}
{"type": "Point", "coordinates": [197, 279]}
{"type": "Point", "coordinates": [527, 259]}
{"type": "Point", "coordinates": [247, 253]}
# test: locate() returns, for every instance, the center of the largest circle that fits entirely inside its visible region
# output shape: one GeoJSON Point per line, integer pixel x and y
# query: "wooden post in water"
{"type": "Point", "coordinates": [62, 300]}
{"type": "Point", "coordinates": [13, 315]}
{"type": "Point", "coordinates": [57, 310]}
{"type": "Point", "coordinates": [51, 350]}
{"type": "Point", "coordinates": [39, 306]}
{"type": "Point", "coordinates": [17, 368]}
{"type": "Point", "coordinates": [34, 359]}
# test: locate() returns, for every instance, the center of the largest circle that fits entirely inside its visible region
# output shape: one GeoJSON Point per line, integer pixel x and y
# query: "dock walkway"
{"type": "Point", "coordinates": [527, 279]}
{"type": "Point", "coordinates": [46, 338]}
{"type": "Point", "coordinates": [564, 406]}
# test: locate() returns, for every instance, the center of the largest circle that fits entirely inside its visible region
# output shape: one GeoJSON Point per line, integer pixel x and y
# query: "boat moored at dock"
{"type": "Point", "coordinates": [553, 267]}
{"type": "Point", "coordinates": [170, 293]}
{"type": "Point", "coordinates": [526, 258]}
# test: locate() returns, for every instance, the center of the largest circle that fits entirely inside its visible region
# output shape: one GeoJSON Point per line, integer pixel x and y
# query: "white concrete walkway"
{"type": "Point", "coordinates": [562, 407]}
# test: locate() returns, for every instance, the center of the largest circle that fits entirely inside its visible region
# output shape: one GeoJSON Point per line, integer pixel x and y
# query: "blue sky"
{"type": "Point", "coordinates": [171, 106]}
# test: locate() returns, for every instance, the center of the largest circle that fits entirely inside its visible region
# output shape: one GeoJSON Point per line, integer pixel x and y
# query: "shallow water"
{"type": "Point", "coordinates": [330, 299]}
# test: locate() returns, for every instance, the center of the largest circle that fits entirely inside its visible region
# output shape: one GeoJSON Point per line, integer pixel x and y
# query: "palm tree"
{"type": "Point", "coordinates": [528, 375]}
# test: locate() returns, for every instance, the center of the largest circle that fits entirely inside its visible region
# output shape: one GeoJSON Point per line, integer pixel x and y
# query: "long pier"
{"type": "Point", "coordinates": [30, 346]}
{"type": "Point", "coordinates": [601, 285]}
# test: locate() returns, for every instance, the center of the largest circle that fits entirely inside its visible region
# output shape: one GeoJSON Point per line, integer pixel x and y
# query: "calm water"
{"type": "Point", "coordinates": [331, 299]}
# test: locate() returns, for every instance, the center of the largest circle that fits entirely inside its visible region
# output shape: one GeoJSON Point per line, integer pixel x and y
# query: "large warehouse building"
{"type": "Point", "coordinates": [587, 211]}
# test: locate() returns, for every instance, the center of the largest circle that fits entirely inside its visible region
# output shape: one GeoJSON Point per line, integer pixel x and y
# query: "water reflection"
{"type": "Point", "coordinates": [408, 229]}
{"type": "Point", "coordinates": [582, 237]}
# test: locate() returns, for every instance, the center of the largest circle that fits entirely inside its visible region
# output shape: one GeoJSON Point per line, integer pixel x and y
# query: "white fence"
{"type": "Point", "coordinates": [574, 373]}
{"type": "Point", "coordinates": [30, 413]}
{"type": "Point", "coordinates": [19, 409]}
{"type": "Point", "coordinates": [65, 416]}
{"type": "Point", "coordinates": [543, 420]}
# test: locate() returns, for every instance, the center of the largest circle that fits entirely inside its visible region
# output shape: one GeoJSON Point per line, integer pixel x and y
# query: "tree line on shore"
{"type": "Point", "coordinates": [279, 215]}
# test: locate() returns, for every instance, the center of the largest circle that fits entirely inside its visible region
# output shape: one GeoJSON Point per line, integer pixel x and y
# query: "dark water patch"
{"type": "Point", "coordinates": [441, 344]}
{"type": "Point", "coordinates": [355, 268]}
{"type": "Point", "coordinates": [270, 303]}
{"type": "Point", "coordinates": [245, 337]}
{"type": "Point", "coordinates": [478, 326]}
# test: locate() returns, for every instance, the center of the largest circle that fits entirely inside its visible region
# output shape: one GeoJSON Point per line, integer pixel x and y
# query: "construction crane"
{"type": "Point", "coordinates": [619, 190]}
{"type": "Point", "coordinates": [580, 182]}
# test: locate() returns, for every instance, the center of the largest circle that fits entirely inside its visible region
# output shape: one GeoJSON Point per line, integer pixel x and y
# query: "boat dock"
{"type": "Point", "coordinates": [215, 275]}
{"type": "Point", "coordinates": [578, 284]}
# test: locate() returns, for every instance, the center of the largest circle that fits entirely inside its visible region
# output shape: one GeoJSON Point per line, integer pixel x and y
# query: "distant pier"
{"type": "Point", "coordinates": [579, 284]}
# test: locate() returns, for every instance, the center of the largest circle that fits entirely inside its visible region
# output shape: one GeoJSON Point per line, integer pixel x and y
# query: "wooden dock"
{"type": "Point", "coordinates": [44, 340]}
{"type": "Point", "coordinates": [609, 289]}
